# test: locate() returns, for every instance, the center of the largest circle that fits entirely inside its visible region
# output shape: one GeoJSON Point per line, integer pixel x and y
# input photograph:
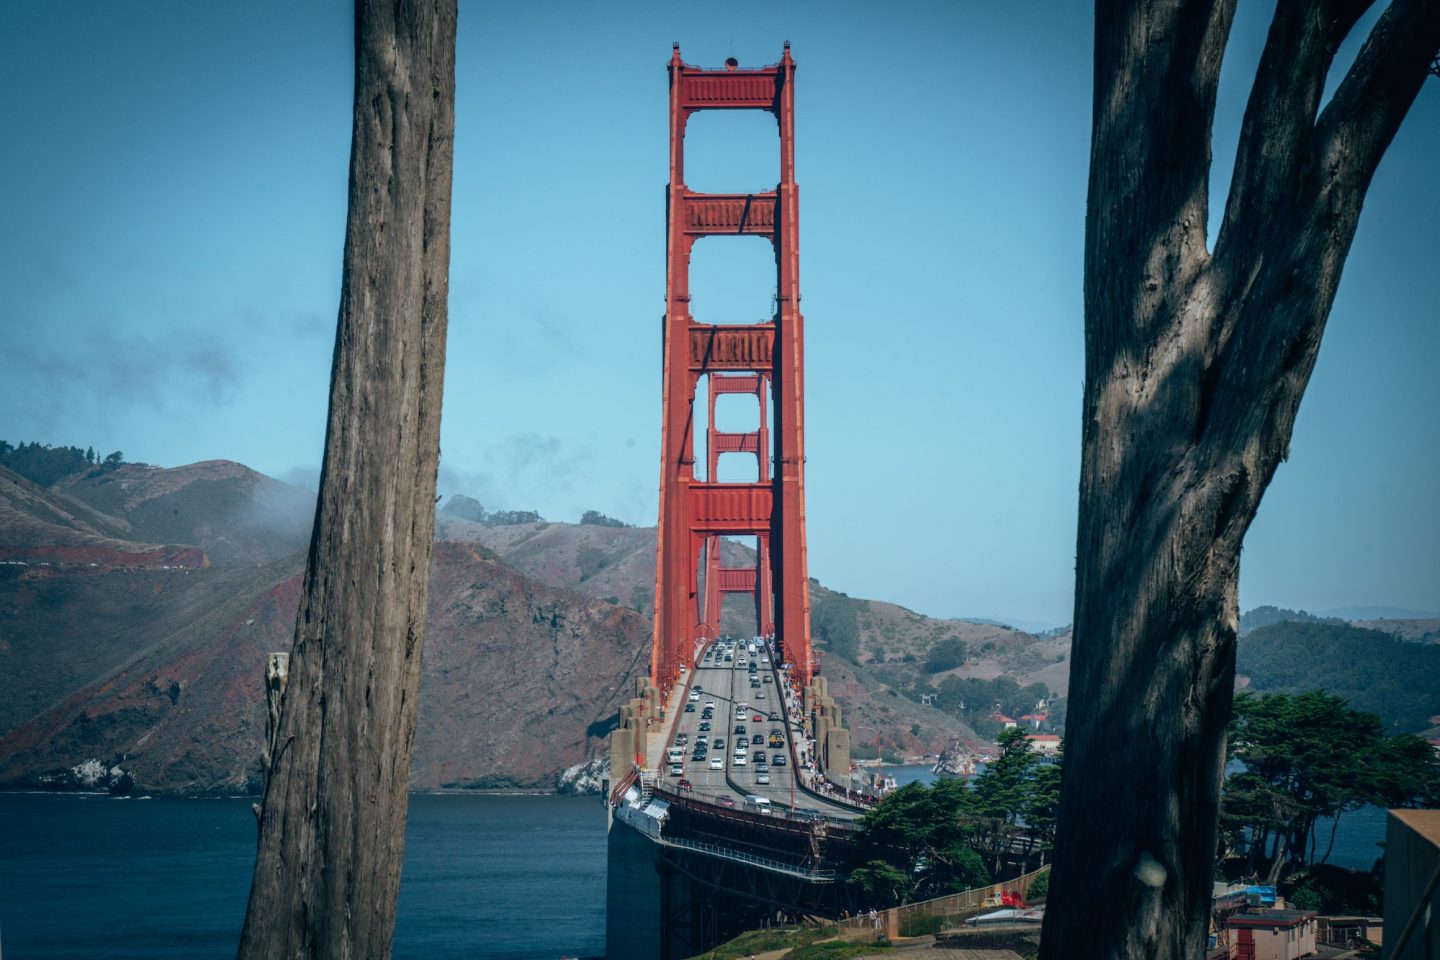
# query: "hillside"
{"type": "Point", "coordinates": [873, 652]}
{"type": "Point", "coordinates": [111, 657]}
{"type": "Point", "coordinates": [1397, 680]}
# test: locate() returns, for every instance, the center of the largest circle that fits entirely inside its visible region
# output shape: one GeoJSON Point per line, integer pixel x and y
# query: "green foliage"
{"type": "Point", "coordinates": [595, 518]}
{"type": "Point", "coordinates": [1039, 887]}
{"type": "Point", "coordinates": [1267, 616]}
{"type": "Point", "coordinates": [1372, 671]}
{"type": "Point", "coordinates": [1304, 898]}
{"type": "Point", "coordinates": [45, 465]}
{"type": "Point", "coordinates": [882, 882]}
{"type": "Point", "coordinates": [835, 950]}
{"type": "Point", "coordinates": [974, 700]}
{"type": "Point", "coordinates": [760, 941]}
{"type": "Point", "coordinates": [468, 508]}
{"type": "Point", "coordinates": [945, 655]}
{"type": "Point", "coordinates": [1308, 756]}
{"type": "Point", "coordinates": [835, 623]}
{"type": "Point", "coordinates": [591, 560]}
{"type": "Point", "coordinates": [921, 925]}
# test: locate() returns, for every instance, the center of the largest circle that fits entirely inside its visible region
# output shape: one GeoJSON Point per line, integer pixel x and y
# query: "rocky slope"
{"type": "Point", "coordinates": [151, 672]}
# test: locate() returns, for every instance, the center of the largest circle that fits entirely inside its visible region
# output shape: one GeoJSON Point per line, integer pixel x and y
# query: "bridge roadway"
{"type": "Point", "coordinates": [718, 777]}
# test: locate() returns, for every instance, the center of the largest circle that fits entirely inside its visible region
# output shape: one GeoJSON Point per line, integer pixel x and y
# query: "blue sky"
{"type": "Point", "coordinates": [170, 263]}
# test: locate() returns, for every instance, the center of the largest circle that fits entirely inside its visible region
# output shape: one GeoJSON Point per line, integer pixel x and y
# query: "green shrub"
{"type": "Point", "coordinates": [921, 924]}
{"type": "Point", "coordinates": [1039, 887]}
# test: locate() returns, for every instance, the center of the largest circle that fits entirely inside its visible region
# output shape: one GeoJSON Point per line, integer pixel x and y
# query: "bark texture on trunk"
{"type": "Point", "coordinates": [332, 825]}
{"type": "Point", "coordinates": [1195, 367]}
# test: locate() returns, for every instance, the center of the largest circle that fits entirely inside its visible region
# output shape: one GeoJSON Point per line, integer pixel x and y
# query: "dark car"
{"type": "Point", "coordinates": [689, 708]}
{"type": "Point", "coordinates": [704, 726]}
{"type": "Point", "coordinates": [725, 801]}
{"type": "Point", "coordinates": [778, 759]}
{"type": "Point", "coordinates": [759, 756]}
{"type": "Point", "coordinates": [758, 739]}
{"type": "Point", "coordinates": [718, 743]}
{"type": "Point", "coordinates": [740, 729]}
{"type": "Point", "coordinates": [774, 717]}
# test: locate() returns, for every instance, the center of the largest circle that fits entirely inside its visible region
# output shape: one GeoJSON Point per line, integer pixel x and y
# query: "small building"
{"type": "Point", "coordinates": [1004, 721]}
{"type": "Point", "coordinates": [1045, 744]}
{"type": "Point", "coordinates": [1350, 931]}
{"type": "Point", "coordinates": [1412, 902]}
{"type": "Point", "coordinates": [1272, 935]}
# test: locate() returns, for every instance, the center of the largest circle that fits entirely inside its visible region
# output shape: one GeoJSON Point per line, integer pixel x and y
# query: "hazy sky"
{"type": "Point", "coordinates": [175, 206]}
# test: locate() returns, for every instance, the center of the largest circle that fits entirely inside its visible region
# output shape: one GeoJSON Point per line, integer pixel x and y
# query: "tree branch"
{"type": "Point", "coordinates": [1279, 115]}
{"type": "Point", "coordinates": [1360, 121]}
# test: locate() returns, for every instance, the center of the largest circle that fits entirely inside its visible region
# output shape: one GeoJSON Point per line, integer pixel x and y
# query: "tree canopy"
{"type": "Point", "coordinates": [1372, 671]}
{"type": "Point", "coordinates": [927, 841]}
{"type": "Point", "coordinates": [1309, 756]}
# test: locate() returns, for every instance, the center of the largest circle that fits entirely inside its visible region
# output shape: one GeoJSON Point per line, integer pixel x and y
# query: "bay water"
{"type": "Point", "coordinates": [512, 877]}
{"type": "Point", "coordinates": [509, 877]}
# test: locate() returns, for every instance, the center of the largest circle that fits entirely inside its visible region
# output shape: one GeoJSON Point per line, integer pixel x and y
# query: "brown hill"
{"type": "Point", "coordinates": [231, 512]}
{"type": "Point", "coordinates": [46, 526]}
{"type": "Point", "coordinates": [519, 679]}
{"type": "Point", "coordinates": [872, 651]}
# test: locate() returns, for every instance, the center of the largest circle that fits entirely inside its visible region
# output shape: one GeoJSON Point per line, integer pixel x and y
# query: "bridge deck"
{"type": "Point", "coordinates": [719, 777]}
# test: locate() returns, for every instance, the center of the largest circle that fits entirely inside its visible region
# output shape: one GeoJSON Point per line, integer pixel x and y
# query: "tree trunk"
{"type": "Point", "coordinates": [332, 825]}
{"type": "Point", "coordinates": [1195, 366]}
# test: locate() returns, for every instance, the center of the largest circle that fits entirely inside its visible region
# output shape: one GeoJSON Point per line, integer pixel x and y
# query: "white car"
{"type": "Point", "coordinates": [717, 763]}
{"type": "Point", "coordinates": [739, 760]}
{"type": "Point", "coordinates": [709, 704]}
{"type": "Point", "coordinates": [694, 697]}
{"type": "Point", "coordinates": [762, 777]}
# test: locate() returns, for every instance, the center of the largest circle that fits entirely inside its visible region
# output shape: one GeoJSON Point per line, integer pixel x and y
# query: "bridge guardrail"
{"type": "Point", "coordinates": [651, 827]}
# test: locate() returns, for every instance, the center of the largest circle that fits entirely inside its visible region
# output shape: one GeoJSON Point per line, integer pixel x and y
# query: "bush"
{"type": "Point", "coordinates": [1039, 887]}
{"type": "Point", "coordinates": [945, 655]}
{"type": "Point", "coordinates": [921, 924]}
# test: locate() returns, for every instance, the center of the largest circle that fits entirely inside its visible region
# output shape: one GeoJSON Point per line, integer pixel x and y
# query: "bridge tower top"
{"type": "Point", "coordinates": [732, 357]}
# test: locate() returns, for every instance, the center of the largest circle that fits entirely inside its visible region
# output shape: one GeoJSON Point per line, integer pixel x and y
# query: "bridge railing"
{"type": "Point", "coordinates": [652, 827]}
{"type": "Point", "coordinates": [892, 922]}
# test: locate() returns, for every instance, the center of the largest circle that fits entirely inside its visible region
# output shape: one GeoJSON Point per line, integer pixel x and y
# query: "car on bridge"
{"type": "Point", "coordinates": [704, 726]}
{"type": "Point", "coordinates": [760, 757]}
{"type": "Point", "coordinates": [762, 778]}
{"type": "Point", "coordinates": [689, 708]}
{"type": "Point", "coordinates": [718, 743]}
{"type": "Point", "coordinates": [778, 759]}
{"type": "Point", "coordinates": [725, 801]}
{"type": "Point", "coordinates": [676, 770]}
{"type": "Point", "coordinates": [758, 719]}
{"type": "Point", "coordinates": [694, 697]}
{"type": "Point", "coordinates": [739, 760]}
{"type": "Point", "coordinates": [717, 763]}
{"type": "Point", "coordinates": [774, 717]}
{"type": "Point", "coordinates": [739, 729]}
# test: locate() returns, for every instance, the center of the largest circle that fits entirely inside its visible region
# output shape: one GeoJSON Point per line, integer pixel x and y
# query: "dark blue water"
{"type": "Point", "coordinates": [485, 876]}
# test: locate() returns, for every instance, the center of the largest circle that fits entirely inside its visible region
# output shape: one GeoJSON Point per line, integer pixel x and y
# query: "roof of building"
{"type": "Point", "coordinates": [1271, 918]}
{"type": "Point", "coordinates": [1043, 736]}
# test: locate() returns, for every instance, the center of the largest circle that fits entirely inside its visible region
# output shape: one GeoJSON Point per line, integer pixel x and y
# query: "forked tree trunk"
{"type": "Point", "coordinates": [1195, 366]}
{"type": "Point", "coordinates": [332, 825]}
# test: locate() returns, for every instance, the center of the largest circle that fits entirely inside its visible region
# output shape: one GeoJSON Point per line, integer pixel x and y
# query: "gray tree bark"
{"type": "Point", "coordinates": [1195, 366]}
{"type": "Point", "coordinates": [332, 825]}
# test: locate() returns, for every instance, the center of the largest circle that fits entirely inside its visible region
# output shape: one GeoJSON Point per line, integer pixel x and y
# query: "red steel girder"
{"type": "Point", "coordinates": [766, 359]}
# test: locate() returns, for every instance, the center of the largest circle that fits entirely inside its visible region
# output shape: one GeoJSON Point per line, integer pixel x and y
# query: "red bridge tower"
{"type": "Point", "coordinates": [761, 359]}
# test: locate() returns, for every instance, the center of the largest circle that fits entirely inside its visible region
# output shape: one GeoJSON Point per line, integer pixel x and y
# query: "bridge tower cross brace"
{"type": "Point", "coordinates": [694, 513]}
